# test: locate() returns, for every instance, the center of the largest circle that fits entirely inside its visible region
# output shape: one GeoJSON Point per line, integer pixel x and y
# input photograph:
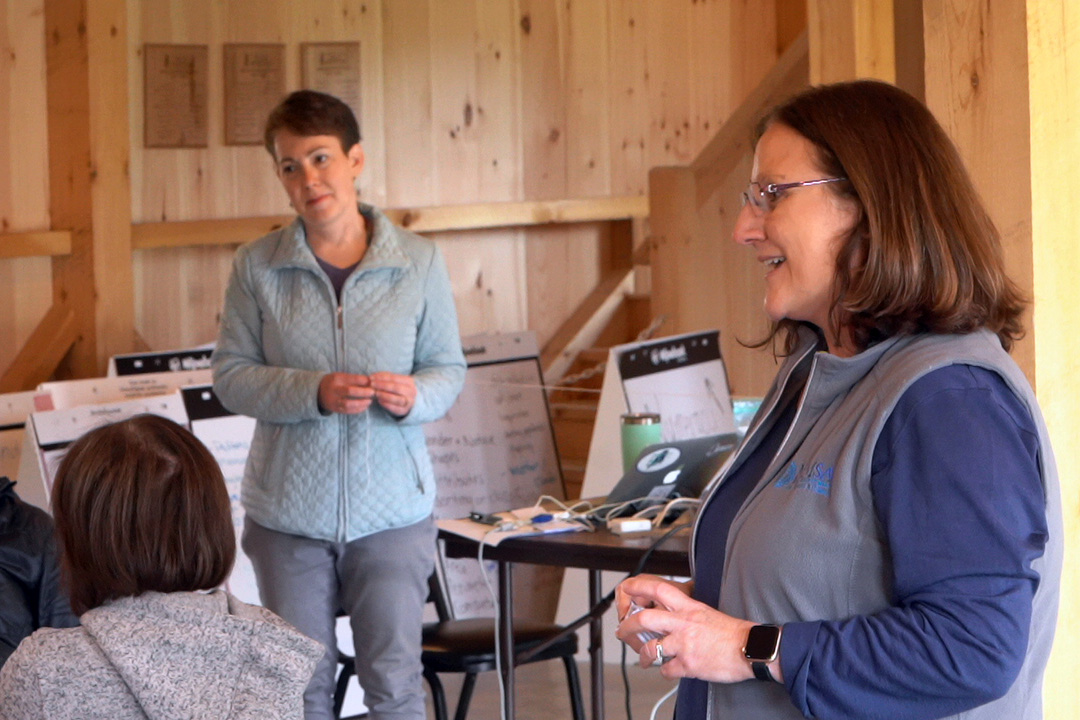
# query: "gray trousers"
{"type": "Point", "coordinates": [380, 581]}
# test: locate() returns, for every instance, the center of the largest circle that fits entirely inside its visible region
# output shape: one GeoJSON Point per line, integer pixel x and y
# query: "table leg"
{"type": "Point", "coordinates": [596, 648]}
{"type": "Point", "coordinates": [506, 636]}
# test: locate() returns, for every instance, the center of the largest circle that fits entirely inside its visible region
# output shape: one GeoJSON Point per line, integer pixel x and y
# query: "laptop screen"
{"type": "Point", "coordinates": [679, 468]}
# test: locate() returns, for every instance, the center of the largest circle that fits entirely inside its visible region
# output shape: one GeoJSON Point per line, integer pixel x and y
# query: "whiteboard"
{"type": "Point", "coordinates": [495, 450]}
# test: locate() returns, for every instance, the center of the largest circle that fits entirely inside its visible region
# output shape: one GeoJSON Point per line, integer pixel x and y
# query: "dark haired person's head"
{"type": "Point", "coordinates": [141, 505]}
{"type": "Point", "coordinates": [308, 113]}
{"type": "Point", "coordinates": [923, 254]}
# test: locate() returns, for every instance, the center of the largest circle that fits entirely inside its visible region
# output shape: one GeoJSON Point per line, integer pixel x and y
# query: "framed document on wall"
{"type": "Point", "coordinates": [254, 84]}
{"type": "Point", "coordinates": [175, 80]}
{"type": "Point", "coordinates": [334, 68]}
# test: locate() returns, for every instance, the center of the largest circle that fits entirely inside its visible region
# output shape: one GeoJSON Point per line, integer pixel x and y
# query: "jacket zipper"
{"type": "Point", "coordinates": [343, 428]}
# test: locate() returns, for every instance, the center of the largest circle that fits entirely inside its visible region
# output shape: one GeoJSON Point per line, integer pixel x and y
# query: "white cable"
{"type": "Point", "coordinates": [495, 601]}
{"type": "Point", "coordinates": [661, 701]}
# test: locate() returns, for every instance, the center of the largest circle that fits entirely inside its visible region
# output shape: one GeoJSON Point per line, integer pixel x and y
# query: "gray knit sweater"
{"type": "Point", "coordinates": [164, 657]}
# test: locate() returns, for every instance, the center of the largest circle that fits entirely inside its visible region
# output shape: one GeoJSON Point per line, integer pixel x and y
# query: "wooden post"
{"type": "Point", "coordinates": [1053, 68]}
{"type": "Point", "coordinates": [851, 39]}
{"type": "Point", "coordinates": [89, 188]}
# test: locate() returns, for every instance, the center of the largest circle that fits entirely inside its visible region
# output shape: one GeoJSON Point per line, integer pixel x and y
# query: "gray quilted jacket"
{"type": "Point", "coordinates": [337, 477]}
{"type": "Point", "coordinates": [163, 657]}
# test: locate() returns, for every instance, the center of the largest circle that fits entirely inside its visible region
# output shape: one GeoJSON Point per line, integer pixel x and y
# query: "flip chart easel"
{"type": "Point", "coordinates": [495, 450]}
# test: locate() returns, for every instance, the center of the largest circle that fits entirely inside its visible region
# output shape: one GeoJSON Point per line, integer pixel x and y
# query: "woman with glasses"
{"type": "Point", "coordinates": [887, 540]}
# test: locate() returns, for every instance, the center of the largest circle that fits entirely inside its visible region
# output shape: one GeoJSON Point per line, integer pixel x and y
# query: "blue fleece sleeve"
{"type": "Point", "coordinates": [959, 497]}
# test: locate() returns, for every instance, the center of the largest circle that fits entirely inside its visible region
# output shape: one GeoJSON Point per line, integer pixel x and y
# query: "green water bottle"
{"type": "Point", "coordinates": [639, 430]}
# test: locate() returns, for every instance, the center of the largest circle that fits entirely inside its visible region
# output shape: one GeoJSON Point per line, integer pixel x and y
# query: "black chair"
{"type": "Point", "coordinates": [468, 646]}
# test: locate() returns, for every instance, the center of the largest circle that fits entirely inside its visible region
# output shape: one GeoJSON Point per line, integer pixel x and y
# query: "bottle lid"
{"type": "Point", "coordinates": [640, 418]}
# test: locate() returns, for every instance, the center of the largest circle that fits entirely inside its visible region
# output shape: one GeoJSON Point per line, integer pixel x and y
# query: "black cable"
{"type": "Point", "coordinates": [637, 571]}
{"type": "Point", "coordinates": [600, 607]}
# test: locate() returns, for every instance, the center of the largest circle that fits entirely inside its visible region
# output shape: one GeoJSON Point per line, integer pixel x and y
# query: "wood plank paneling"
{"type": "Point", "coordinates": [463, 101]}
{"type": "Point", "coordinates": [408, 92]}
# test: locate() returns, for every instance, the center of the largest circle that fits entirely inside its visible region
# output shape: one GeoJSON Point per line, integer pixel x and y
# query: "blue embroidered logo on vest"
{"type": "Point", "coordinates": [816, 478]}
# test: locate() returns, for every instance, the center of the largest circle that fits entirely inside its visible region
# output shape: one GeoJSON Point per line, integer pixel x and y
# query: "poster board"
{"type": "Point", "coordinates": [15, 408]}
{"type": "Point", "coordinates": [495, 450]}
{"type": "Point", "coordinates": [72, 393]}
{"type": "Point", "coordinates": [50, 432]}
{"type": "Point", "coordinates": [184, 360]}
{"type": "Point", "coordinates": [228, 438]}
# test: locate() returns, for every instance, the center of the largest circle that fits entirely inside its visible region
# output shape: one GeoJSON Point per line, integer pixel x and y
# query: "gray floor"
{"type": "Point", "coordinates": [541, 693]}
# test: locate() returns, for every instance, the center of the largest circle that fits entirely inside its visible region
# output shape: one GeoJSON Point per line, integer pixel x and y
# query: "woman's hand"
{"type": "Point", "coordinates": [698, 641]}
{"type": "Point", "coordinates": [345, 393]}
{"type": "Point", "coordinates": [396, 393]}
{"type": "Point", "coordinates": [631, 590]}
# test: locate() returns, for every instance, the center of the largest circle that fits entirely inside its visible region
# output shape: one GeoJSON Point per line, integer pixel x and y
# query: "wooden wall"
{"type": "Point", "coordinates": [463, 101]}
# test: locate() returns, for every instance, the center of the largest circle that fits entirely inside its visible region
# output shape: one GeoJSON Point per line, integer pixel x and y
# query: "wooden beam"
{"type": "Point", "coordinates": [90, 193]}
{"type": "Point", "coordinates": [910, 52]}
{"type": "Point", "coordinates": [191, 233]}
{"type": "Point", "coordinates": [586, 323]}
{"type": "Point", "coordinates": [790, 23]}
{"type": "Point", "coordinates": [43, 351]}
{"type": "Point", "coordinates": [732, 143]}
{"type": "Point", "coordinates": [851, 39]}
{"type": "Point", "coordinates": [35, 244]}
{"type": "Point", "coordinates": [446, 218]}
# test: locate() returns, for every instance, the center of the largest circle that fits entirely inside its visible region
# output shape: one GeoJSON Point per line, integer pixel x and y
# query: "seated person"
{"type": "Point", "coordinates": [30, 594]}
{"type": "Point", "coordinates": [145, 533]}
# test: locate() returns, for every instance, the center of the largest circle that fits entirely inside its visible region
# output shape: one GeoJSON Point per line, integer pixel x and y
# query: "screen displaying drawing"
{"type": "Point", "coordinates": [683, 379]}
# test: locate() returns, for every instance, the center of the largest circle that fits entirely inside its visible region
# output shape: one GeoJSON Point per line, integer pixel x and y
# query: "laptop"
{"type": "Point", "coordinates": [669, 470]}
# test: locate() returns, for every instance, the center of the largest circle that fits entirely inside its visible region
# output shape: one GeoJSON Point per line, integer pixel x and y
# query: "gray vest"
{"type": "Point", "coordinates": [790, 560]}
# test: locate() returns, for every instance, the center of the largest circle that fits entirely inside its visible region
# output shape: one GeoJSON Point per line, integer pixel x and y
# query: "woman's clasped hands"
{"type": "Point", "coordinates": [349, 394]}
{"type": "Point", "coordinates": [696, 640]}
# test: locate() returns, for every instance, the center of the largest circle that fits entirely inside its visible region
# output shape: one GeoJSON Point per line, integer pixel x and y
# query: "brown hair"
{"type": "Point", "coordinates": [140, 505]}
{"type": "Point", "coordinates": [307, 113]}
{"type": "Point", "coordinates": [924, 255]}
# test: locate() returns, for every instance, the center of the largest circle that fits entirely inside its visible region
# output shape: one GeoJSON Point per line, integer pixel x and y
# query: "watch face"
{"type": "Point", "coordinates": [762, 643]}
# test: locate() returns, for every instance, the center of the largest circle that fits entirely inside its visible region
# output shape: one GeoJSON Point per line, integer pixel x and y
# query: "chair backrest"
{"type": "Point", "coordinates": [437, 590]}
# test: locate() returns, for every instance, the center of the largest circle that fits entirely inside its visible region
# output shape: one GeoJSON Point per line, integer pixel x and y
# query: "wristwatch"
{"type": "Point", "coordinates": [762, 647]}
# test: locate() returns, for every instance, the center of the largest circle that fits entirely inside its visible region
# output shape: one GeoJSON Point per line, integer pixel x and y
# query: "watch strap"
{"type": "Point", "coordinates": [761, 671]}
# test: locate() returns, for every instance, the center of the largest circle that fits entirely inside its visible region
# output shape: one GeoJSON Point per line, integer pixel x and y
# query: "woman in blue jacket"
{"type": "Point", "coordinates": [340, 337]}
{"type": "Point", "coordinates": [887, 541]}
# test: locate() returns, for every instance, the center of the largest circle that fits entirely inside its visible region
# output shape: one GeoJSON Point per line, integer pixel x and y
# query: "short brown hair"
{"type": "Point", "coordinates": [924, 255]}
{"type": "Point", "coordinates": [307, 113]}
{"type": "Point", "coordinates": [141, 505]}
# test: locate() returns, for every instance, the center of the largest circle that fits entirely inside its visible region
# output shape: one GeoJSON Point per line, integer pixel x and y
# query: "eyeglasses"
{"type": "Point", "coordinates": [763, 198]}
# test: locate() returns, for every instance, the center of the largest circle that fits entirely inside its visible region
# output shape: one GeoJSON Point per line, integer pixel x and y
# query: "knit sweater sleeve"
{"type": "Point", "coordinates": [958, 494]}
